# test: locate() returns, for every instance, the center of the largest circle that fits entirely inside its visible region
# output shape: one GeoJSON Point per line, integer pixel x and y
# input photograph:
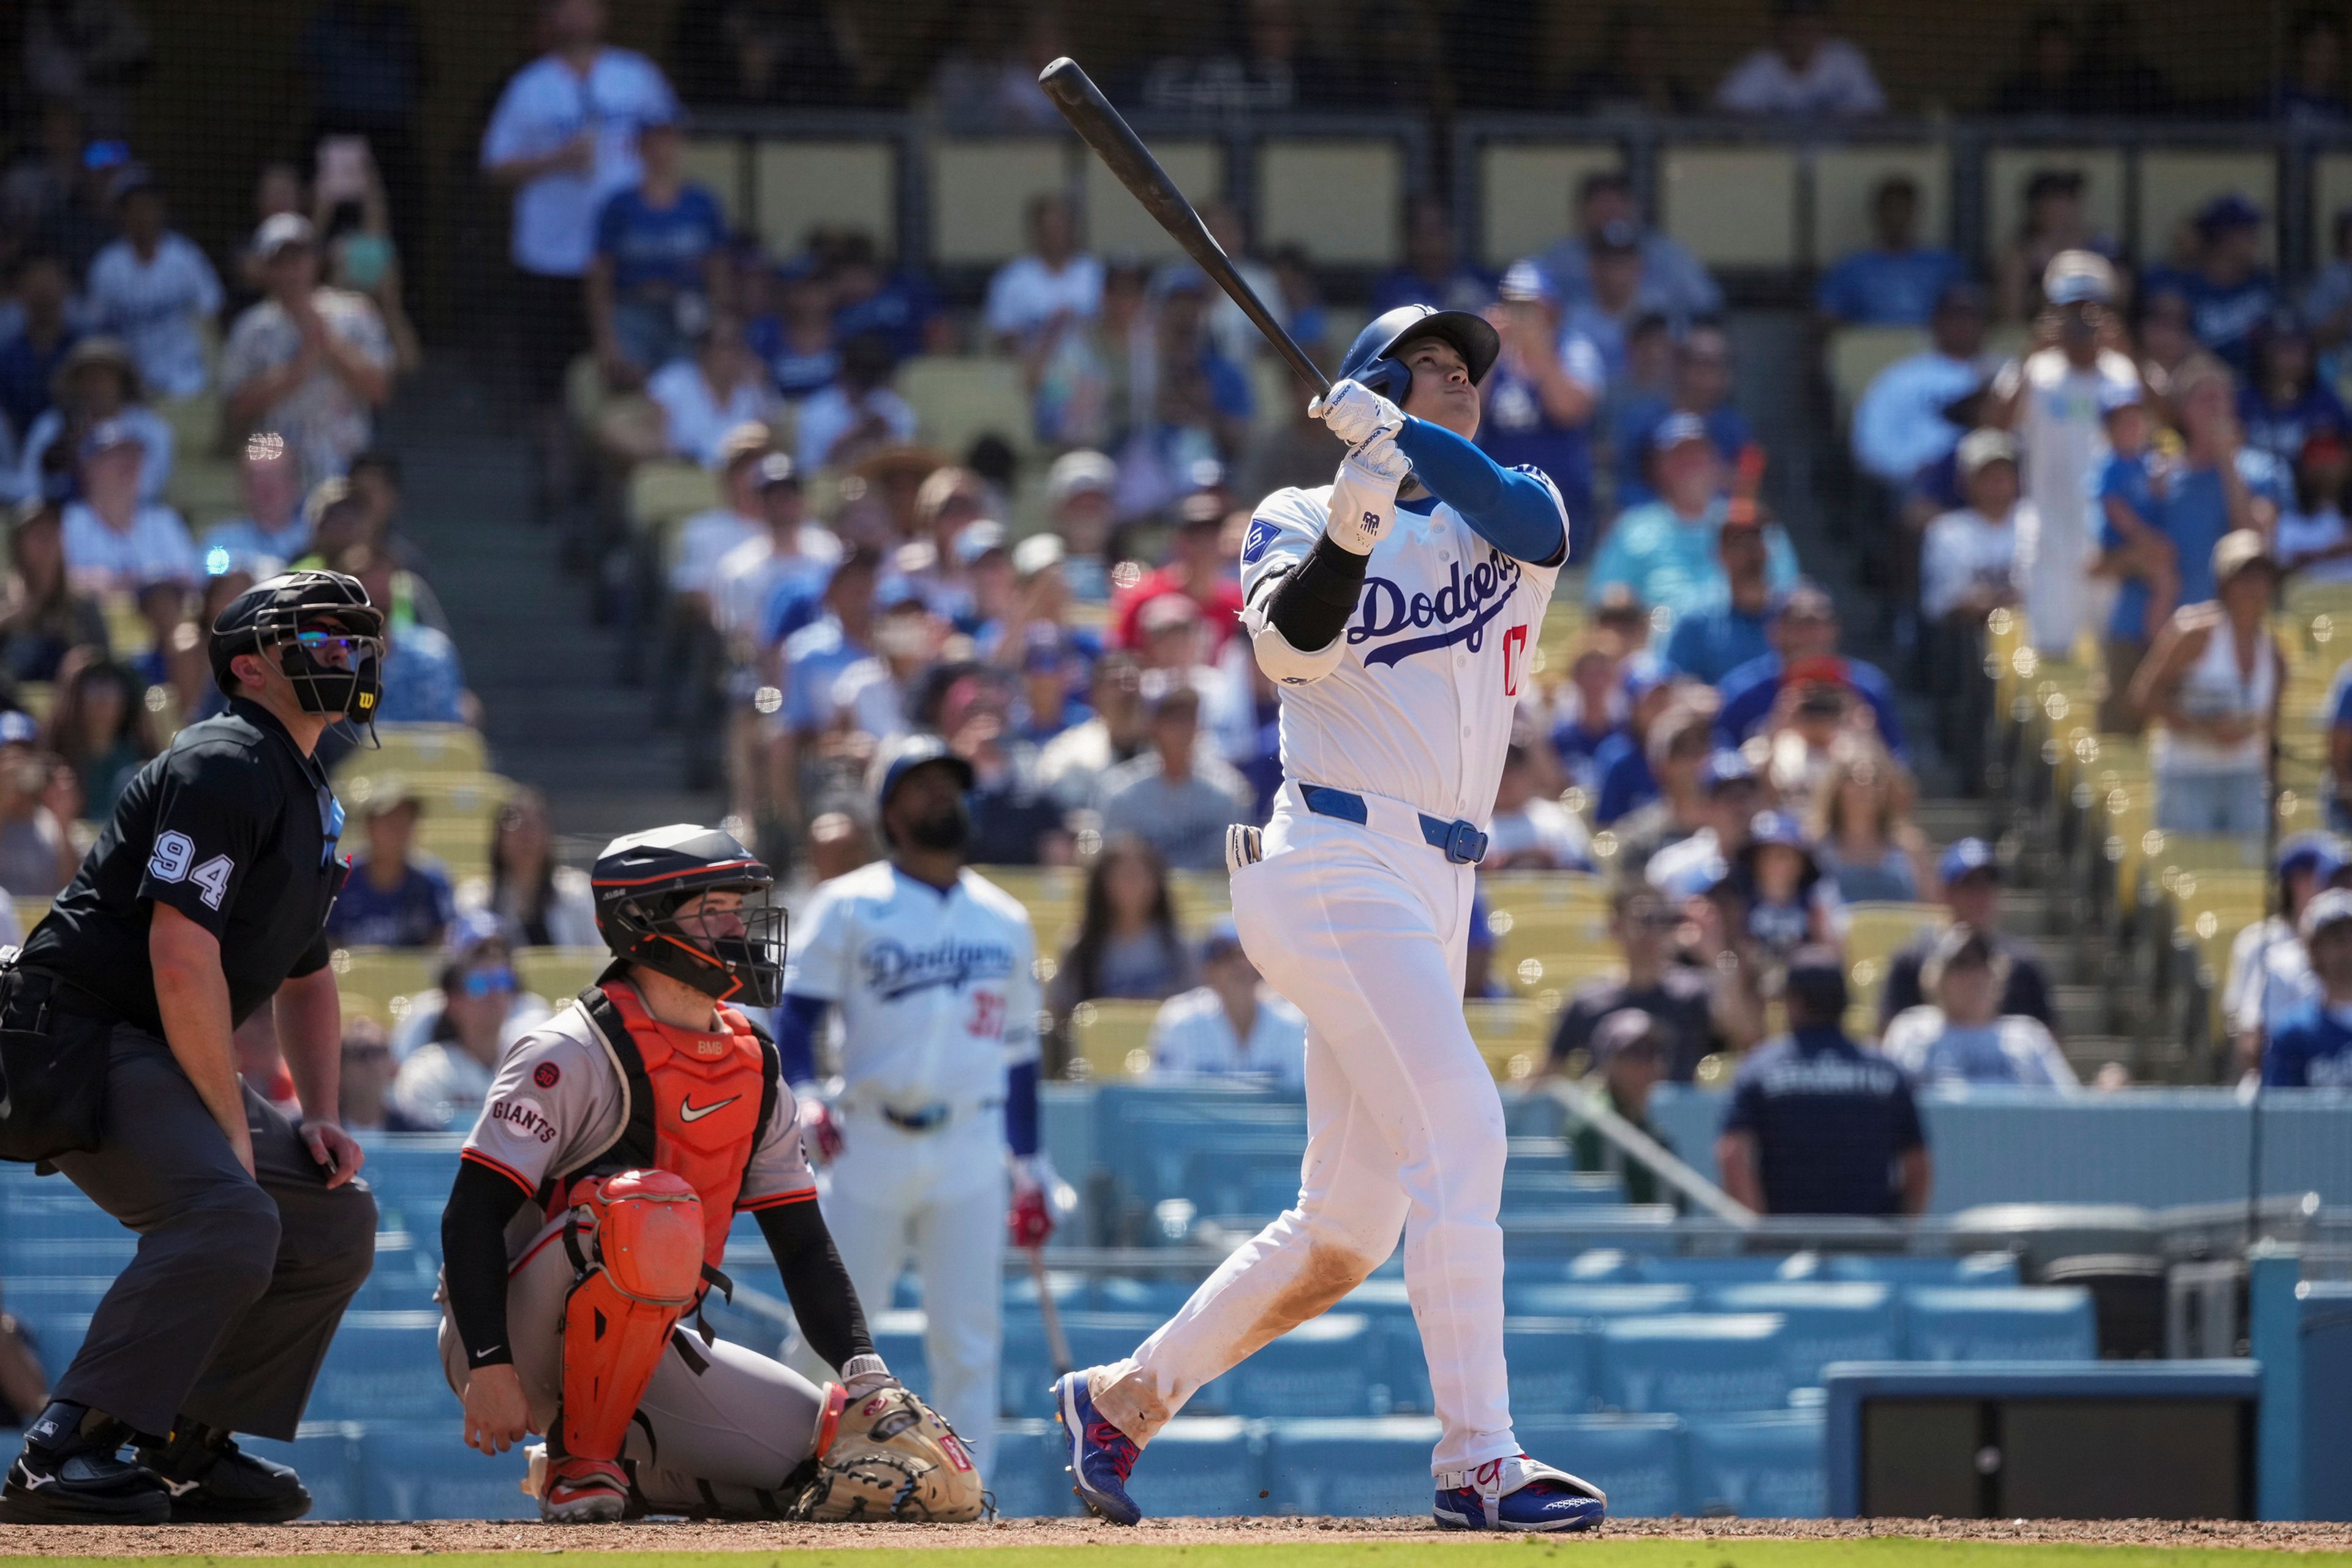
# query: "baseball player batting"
{"type": "Point", "coordinates": [1397, 610]}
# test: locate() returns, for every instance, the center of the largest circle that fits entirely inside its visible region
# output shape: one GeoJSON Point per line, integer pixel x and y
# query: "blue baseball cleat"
{"type": "Point", "coordinates": [1517, 1493]}
{"type": "Point", "coordinates": [1101, 1455]}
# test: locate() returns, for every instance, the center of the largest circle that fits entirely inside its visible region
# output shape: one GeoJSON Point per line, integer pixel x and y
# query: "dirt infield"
{"type": "Point", "coordinates": [243, 1541]}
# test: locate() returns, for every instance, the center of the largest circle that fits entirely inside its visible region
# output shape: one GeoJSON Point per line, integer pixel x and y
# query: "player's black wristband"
{"type": "Point", "coordinates": [822, 1299]}
{"type": "Point", "coordinates": [474, 1260]}
{"type": "Point", "coordinates": [1312, 605]}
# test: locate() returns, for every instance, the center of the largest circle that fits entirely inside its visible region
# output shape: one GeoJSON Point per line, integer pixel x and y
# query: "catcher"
{"type": "Point", "coordinates": [590, 1212]}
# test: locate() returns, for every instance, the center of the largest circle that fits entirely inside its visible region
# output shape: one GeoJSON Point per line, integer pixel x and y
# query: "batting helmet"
{"type": "Point", "coordinates": [912, 752]}
{"type": "Point", "coordinates": [641, 880]}
{"type": "Point", "coordinates": [1372, 362]}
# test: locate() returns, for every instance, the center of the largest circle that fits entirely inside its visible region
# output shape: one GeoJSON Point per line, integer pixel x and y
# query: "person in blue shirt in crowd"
{"type": "Point", "coordinates": [1666, 552]}
{"type": "Point", "coordinates": [1804, 652]}
{"type": "Point", "coordinates": [899, 306]}
{"type": "Point", "coordinates": [1902, 421]}
{"type": "Point", "coordinates": [2284, 404]}
{"type": "Point", "coordinates": [1700, 387]}
{"type": "Point", "coordinates": [32, 355]}
{"type": "Point", "coordinates": [1592, 708]}
{"type": "Point", "coordinates": [1433, 272]}
{"type": "Point", "coordinates": [2229, 290]}
{"type": "Point", "coordinates": [1897, 283]}
{"type": "Point", "coordinates": [1819, 1124]}
{"type": "Point", "coordinates": [1621, 763]}
{"type": "Point", "coordinates": [393, 897]}
{"type": "Point", "coordinates": [817, 652]}
{"type": "Point", "coordinates": [1607, 310]}
{"type": "Point", "coordinates": [797, 341]}
{"type": "Point", "coordinates": [1671, 280]}
{"type": "Point", "coordinates": [660, 261]}
{"type": "Point", "coordinates": [1541, 396]}
{"type": "Point", "coordinates": [2128, 489]}
{"type": "Point", "coordinates": [2311, 1047]}
{"type": "Point", "coordinates": [2335, 720]}
{"type": "Point", "coordinates": [1707, 645]}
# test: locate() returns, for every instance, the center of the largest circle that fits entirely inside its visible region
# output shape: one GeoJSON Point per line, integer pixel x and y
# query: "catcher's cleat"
{"type": "Point", "coordinates": [213, 1481]}
{"type": "Point", "coordinates": [583, 1491]}
{"type": "Point", "coordinates": [71, 1472]}
{"type": "Point", "coordinates": [1101, 1455]}
{"type": "Point", "coordinates": [1517, 1493]}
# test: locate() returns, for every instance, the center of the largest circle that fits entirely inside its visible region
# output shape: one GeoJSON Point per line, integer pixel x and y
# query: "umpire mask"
{"type": "Point", "coordinates": [328, 639]}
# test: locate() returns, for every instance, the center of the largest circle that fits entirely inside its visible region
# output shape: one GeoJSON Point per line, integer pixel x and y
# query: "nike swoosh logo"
{"type": "Point", "coordinates": [689, 1111]}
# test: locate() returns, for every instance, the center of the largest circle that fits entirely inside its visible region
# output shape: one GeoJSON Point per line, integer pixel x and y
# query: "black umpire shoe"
{"type": "Point", "coordinates": [71, 1472]}
{"type": "Point", "coordinates": [213, 1481]}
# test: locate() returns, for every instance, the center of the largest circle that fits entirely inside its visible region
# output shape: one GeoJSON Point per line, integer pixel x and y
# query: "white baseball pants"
{"type": "Point", "coordinates": [1366, 931]}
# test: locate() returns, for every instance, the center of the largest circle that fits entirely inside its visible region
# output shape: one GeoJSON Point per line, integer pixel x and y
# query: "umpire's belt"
{"type": "Point", "coordinates": [1461, 842]}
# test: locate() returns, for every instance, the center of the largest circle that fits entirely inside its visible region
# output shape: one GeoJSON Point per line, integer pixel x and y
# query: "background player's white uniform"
{"type": "Point", "coordinates": [1365, 927]}
{"type": "Point", "coordinates": [938, 997]}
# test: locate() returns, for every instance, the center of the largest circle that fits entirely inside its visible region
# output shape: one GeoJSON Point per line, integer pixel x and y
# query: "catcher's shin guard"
{"type": "Point", "coordinates": [641, 1269]}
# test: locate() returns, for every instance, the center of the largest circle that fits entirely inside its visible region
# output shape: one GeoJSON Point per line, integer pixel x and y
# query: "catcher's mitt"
{"type": "Point", "coordinates": [892, 1457]}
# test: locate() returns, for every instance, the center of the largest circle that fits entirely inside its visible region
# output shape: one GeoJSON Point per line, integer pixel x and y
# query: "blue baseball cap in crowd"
{"type": "Point", "coordinates": [2227, 211]}
{"type": "Point", "coordinates": [18, 728]}
{"type": "Point", "coordinates": [1726, 766]}
{"type": "Point", "coordinates": [469, 931]}
{"type": "Point", "coordinates": [906, 753]}
{"type": "Point", "coordinates": [2331, 908]}
{"type": "Point", "coordinates": [2317, 852]}
{"type": "Point", "coordinates": [1221, 937]}
{"type": "Point", "coordinates": [1777, 827]}
{"type": "Point", "coordinates": [108, 434]}
{"type": "Point", "coordinates": [1966, 859]}
{"type": "Point", "coordinates": [978, 540]}
{"type": "Point", "coordinates": [2117, 394]}
{"type": "Point", "coordinates": [1526, 280]}
{"type": "Point", "coordinates": [1676, 428]}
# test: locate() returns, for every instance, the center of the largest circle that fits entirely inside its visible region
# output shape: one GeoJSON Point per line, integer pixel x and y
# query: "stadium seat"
{"type": "Point", "coordinates": [1543, 1300]}
{"type": "Point", "coordinates": [1200, 1467]}
{"type": "Point", "coordinates": [384, 1367]}
{"type": "Point", "coordinates": [1341, 197]}
{"type": "Point", "coordinates": [2175, 182]}
{"type": "Point", "coordinates": [2023, 1322]}
{"type": "Point", "coordinates": [719, 164]}
{"type": "Point", "coordinates": [421, 1469]}
{"type": "Point", "coordinates": [1822, 1322]}
{"type": "Point", "coordinates": [371, 979]}
{"type": "Point", "coordinates": [416, 751]}
{"type": "Point", "coordinates": [1692, 1364]}
{"type": "Point", "coordinates": [668, 491]}
{"type": "Point", "coordinates": [1746, 1268]}
{"type": "Point", "coordinates": [1116, 223]}
{"type": "Point", "coordinates": [959, 399]}
{"type": "Point", "coordinates": [1637, 1459]}
{"type": "Point", "coordinates": [559, 974]}
{"type": "Point", "coordinates": [980, 191]}
{"type": "Point", "coordinates": [1327, 1366]}
{"type": "Point", "coordinates": [800, 185]}
{"type": "Point", "coordinates": [1027, 1372]}
{"type": "Point", "coordinates": [1551, 1365]}
{"type": "Point", "coordinates": [1527, 193]}
{"type": "Point", "coordinates": [1734, 206]}
{"type": "Point", "coordinates": [1029, 1481]}
{"type": "Point", "coordinates": [1768, 1464]}
{"type": "Point", "coordinates": [1902, 1268]}
{"type": "Point", "coordinates": [898, 1335]}
{"type": "Point", "coordinates": [1349, 1468]}
{"type": "Point", "coordinates": [326, 1454]}
{"type": "Point", "coordinates": [203, 490]}
{"type": "Point", "coordinates": [1113, 1038]}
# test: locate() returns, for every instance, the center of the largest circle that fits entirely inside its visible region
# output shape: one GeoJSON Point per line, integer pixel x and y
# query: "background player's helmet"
{"type": "Point", "coordinates": [641, 879]}
{"type": "Point", "coordinates": [330, 640]}
{"type": "Point", "coordinates": [1371, 359]}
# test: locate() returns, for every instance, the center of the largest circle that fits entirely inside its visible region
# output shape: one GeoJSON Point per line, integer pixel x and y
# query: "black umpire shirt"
{"type": "Point", "coordinates": [233, 827]}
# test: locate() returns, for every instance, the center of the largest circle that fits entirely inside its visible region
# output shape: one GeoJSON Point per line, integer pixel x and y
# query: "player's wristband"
{"type": "Point", "coordinates": [867, 1366]}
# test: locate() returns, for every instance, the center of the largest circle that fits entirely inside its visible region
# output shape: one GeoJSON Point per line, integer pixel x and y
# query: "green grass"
{"type": "Point", "coordinates": [1602, 1552]}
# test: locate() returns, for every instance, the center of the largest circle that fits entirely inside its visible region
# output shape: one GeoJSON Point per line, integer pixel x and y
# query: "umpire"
{"type": "Point", "coordinates": [205, 895]}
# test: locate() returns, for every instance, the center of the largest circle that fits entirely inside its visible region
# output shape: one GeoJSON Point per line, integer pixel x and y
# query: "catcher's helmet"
{"type": "Point", "coordinates": [641, 880]}
{"type": "Point", "coordinates": [329, 636]}
{"type": "Point", "coordinates": [1371, 359]}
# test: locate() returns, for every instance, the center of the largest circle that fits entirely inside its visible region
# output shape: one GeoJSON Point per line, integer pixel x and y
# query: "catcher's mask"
{"type": "Point", "coordinates": [644, 883]}
{"type": "Point", "coordinates": [329, 641]}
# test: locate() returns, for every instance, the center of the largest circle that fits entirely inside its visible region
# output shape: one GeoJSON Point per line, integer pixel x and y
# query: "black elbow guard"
{"type": "Point", "coordinates": [1312, 605]}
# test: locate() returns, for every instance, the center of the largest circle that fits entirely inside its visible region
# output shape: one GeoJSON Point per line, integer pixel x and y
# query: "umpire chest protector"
{"type": "Point", "coordinates": [692, 1103]}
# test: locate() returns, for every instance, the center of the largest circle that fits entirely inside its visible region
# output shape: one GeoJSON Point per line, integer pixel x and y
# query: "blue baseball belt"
{"type": "Point", "coordinates": [1461, 841]}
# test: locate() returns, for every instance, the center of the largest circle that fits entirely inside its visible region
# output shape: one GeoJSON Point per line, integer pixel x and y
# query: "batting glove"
{"type": "Point", "coordinates": [1356, 413]}
{"type": "Point", "coordinates": [820, 1130]}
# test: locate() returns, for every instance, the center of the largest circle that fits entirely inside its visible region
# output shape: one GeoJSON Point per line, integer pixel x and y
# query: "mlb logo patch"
{"type": "Point", "coordinates": [1261, 534]}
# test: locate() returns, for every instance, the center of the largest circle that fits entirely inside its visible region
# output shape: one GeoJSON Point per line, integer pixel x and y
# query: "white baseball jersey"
{"type": "Point", "coordinates": [938, 992]}
{"type": "Point", "coordinates": [1420, 707]}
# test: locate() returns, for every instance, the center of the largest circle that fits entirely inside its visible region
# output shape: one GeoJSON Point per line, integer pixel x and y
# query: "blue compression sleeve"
{"type": "Point", "coordinates": [1513, 511]}
{"type": "Point", "coordinates": [1020, 1109]}
{"type": "Point", "coordinates": [796, 1025]}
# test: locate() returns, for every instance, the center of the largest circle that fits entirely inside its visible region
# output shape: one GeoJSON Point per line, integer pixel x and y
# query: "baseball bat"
{"type": "Point", "coordinates": [1057, 1344]}
{"type": "Point", "coordinates": [1115, 144]}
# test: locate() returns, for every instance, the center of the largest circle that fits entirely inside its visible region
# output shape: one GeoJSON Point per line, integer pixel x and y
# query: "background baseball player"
{"type": "Point", "coordinates": [933, 969]}
{"type": "Point", "coordinates": [1400, 627]}
{"type": "Point", "coordinates": [592, 1206]}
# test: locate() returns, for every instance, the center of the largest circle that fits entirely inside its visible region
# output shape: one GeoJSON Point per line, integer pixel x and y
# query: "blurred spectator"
{"type": "Point", "coordinates": [1230, 334]}
{"type": "Point", "coordinates": [114, 540]}
{"type": "Point", "coordinates": [273, 525]}
{"type": "Point", "coordinates": [1671, 282]}
{"type": "Point", "coordinates": [2284, 404]}
{"type": "Point", "coordinates": [2230, 292]}
{"type": "Point", "coordinates": [706, 538]}
{"type": "Point", "coordinates": [1084, 372]}
{"type": "Point", "coordinates": [373, 487]}
{"type": "Point", "coordinates": [791, 557]}
{"type": "Point", "coordinates": [1196, 570]}
{"type": "Point", "coordinates": [1962, 1036]}
{"type": "Point", "coordinates": [1971, 878]}
{"type": "Point", "coordinates": [2051, 399]}
{"type": "Point", "coordinates": [1605, 314]}
{"type": "Point", "coordinates": [2049, 78]}
{"type": "Point", "coordinates": [31, 356]}
{"type": "Point", "coordinates": [365, 63]}
{"type": "Point", "coordinates": [1784, 900]}
{"type": "Point", "coordinates": [1802, 70]}
{"type": "Point", "coordinates": [461, 1028]}
{"type": "Point", "coordinates": [2116, 79]}
{"type": "Point", "coordinates": [1898, 282]}
{"type": "Point", "coordinates": [310, 363]}
{"type": "Point", "coordinates": [1699, 384]}
{"type": "Point", "coordinates": [1054, 280]}
{"type": "Point", "coordinates": [38, 797]}
{"type": "Point", "coordinates": [98, 728]}
{"type": "Point", "coordinates": [277, 188]}
{"type": "Point", "coordinates": [361, 259]}
{"type": "Point", "coordinates": [1862, 833]}
{"type": "Point", "coordinates": [2269, 975]}
{"type": "Point", "coordinates": [394, 897]}
{"type": "Point", "coordinates": [870, 696]}
{"type": "Point", "coordinates": [2314, 543]}
{"type": "Point", "coordinates": [1588, 708]}
{"type": "Point", "coordinates": [2128, 487]}
{"type": "Point", "coordinates": [1271, 68]}
{"type": "Point", "coordinates": [1818, 1124]}
{"type": "Point", "coordinates": [1078, 491]}
{"type": "Point", "coordinates": [2311, 93]}
{"type": "Point", "coordinates": [1075, 763]}
{"type": "Point", "coordinates": [541, 902]}
{"type": "Point", "coordinates": [1231, 1025]}
{"type": "Point", "coordinates": [90, 54]}
{"type": "Point", "coordinates": [1631, 73]}
{"type": "Point", "coordinates": [859, 413]}
{"type": "Point", "coordinates": [1629, 1050]}
{"type": "Point", "coordinates": [1968, 563]}
{"type": "Point", "coordinates": [2212, 681]}
{"type": "Point", "coordinates": [1541, 396]}
{"type": "Point", "coordinates": [1178, 796]}
{"type": "Point", "coordinates": [699, 402]}
{"type": "Point", "coordinates": [1434, 271]}
{"type": "Point", "coordinates": [2326, 298]}
{"type": "Point", "coordinates": [898, 303]}
{"type": "Point", "coordinates": [1200, 407]}
{"type": "Point", "coordinates": [563, 137]}
{"type": "Point", "coordinates": [1693, 865]}
{"type": "Point", "coordinates": [1129, 944]}
{"type": "Point", "coordinates": [42, 613]}
{"type": "Point", "coordinates": [2312, 1047]}
{"type": "Point", "coordinates": [1014, 822]}
{"type": "Point", "coordinates": [152, 287]}
{"type": "Point", "coordinates": [1667, 552]}
{"type": "Point", "coordinates": [1675, 752]}
{"type": "Point", "coordinates": [2166, 339]}
{"type": "Point", "coordinates": [2054, 222]}
{"type": "Point", "coordinates": [423, 682]}
{"type": "Point", "coordinates": [798, 342]}
{"type": "Point", "coordinates": [362, 1094]}
{"type": "Point", "coordinates": [1528, 832]}
{"type": "Point", "coordinates": [1298, 453]}
{"type": "Point", "coordinates": [760, 53]}
{"type": "Point", "coordinates": [1757, 696]}
{"type": "Point", "coordinates": [1679, 1000]}
{"type": "Point", "coordinates": [95, 385]}
{"type": "Point", "coordinates": [1708, 644]}
{"type": "Point", "coordinates": [842, 634]}
{"type": "Point", "coordinates": [1900, 423]}
{"type": "Point", "coordinates": [660, 264]}
{"type": "Point", "coordinates": [989, 79]}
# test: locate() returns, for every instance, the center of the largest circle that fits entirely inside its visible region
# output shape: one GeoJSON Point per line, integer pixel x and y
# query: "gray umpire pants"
{"type": "Point", "coordinates": [225, 1313]}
